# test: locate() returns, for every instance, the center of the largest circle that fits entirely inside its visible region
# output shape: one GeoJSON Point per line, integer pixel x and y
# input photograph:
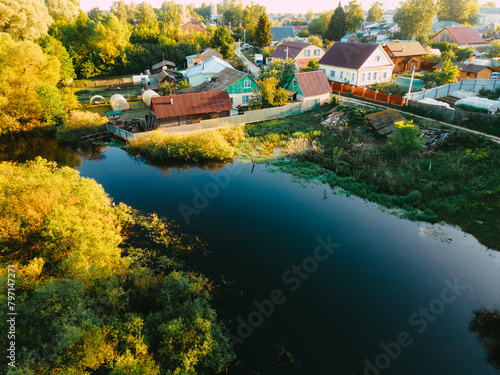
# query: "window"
{"type": "Point", "coordinates": [468, 74]}
{"type": "Point", "coordinates": [232, 101]}
{"type": "Point", "coordinates": [341, 75]}
{"type": "Point", "coordinates": [369, 76]}
{"type": "Point", "coordinates": [363, 77]}
{"type": "Point", "coordinates": [316, 52]}
{"type": "Point", "coordinates": [385, 75]}
{"type": "Point", "coordinates": [245, 99]}
{"type": "Point", "coordinates": [332, 73]}
{"type": "Point", "coordinates": [294, 83]}
{"type": "Point", "coordinates": [375, 76]}
{"type": "Point", "coordinates": [247, 84]}
{"type": "Point", "coordinates": [353, 76]}
{"type": "Point", "coordinates": [377, 58]}
{"type": "Point", "coordinates": [307, 53]}
{"type": "Point", "coordinates": [190, 61]}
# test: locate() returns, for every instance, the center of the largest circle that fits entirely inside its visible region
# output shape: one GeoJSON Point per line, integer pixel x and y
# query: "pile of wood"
{"type": "Point", "coordinates": [435, 138]}
{"type": "Point", "coordinates": [335, 119]}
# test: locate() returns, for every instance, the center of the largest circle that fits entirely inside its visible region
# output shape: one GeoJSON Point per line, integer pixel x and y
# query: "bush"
{"type": "Point", "coordinates": [80, 123]}
{"type": "Point", "coordinates": [407, 139]}
{"type": "Point", "coordinates": [204, 145]}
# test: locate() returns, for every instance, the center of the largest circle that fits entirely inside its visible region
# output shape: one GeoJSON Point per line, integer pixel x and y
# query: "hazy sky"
{"type": "Point", "coordinates": [273, 6]}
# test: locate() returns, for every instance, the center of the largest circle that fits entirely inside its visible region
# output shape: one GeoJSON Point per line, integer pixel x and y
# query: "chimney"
{"type": "Point", "coordinates": [403, 48]}
{"type": "Point", "coordinates": [472, 57]}
{"type": "Point", "coordinates": [171, 100]}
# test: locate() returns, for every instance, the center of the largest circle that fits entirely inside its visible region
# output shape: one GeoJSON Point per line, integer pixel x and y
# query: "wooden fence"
{"type": "Point", "coordinates": [450, 114]}
{"type": "Point", "coordinates": [360, 92]}
{"type": "Point", "coordinates": [125, 81]}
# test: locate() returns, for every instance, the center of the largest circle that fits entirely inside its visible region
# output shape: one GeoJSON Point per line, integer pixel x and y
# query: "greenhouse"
{"type": "Point", "coordinates": [147, 95]}
{"type": "Point", "coordinates": [117, 101]}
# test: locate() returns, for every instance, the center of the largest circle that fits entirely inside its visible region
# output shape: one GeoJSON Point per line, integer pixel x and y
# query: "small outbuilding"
{"type": "Point", "coordinates": [383, 122]}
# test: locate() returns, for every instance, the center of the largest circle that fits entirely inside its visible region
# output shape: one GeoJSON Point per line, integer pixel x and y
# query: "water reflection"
{"type": "Point", "coordinates": [172, 165]}
{"type": "Point", "coordinates": [486, 325]}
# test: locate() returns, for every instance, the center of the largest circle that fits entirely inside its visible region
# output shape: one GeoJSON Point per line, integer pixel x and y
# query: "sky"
{"type": "Point", "coordinates": [273, 6]}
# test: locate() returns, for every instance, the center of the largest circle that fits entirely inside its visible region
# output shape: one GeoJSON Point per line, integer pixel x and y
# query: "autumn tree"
{"type": "Point", "coordinates": [282, 70]}
{"type": "Point", "coordinates": [146, 13]}
{"type": "Point", "coordinates": [63, 9]}
{"type": "Point", "coordinates": [270, 94]}
{"type": "Point", "coordinates": [448, 73]}
{"type": "Point", "coordinates": [319, 25]}
{"type": "Point", "coordinates": [414, 17]}
{"type": "Point", "coordinates": [494, 49]}
{"type": "Point", "coordinates": [24, 19]}
{"type": "Point", "coordinates": [376, 12]}
{"type": "Point", "coordinates": [310, 15]}
{"type": "Point", "coordinates": [54, 47]}
{"type": "Point", "coordinates": [458, 10]}
{"type": "Point", "coordinates": [354, 16]}
{"type": "Point", "coordinates": [262, 33]}
{"type": "Point", "coordinates": [337, 26]}
{"type": "Point", "coordinates": [316, 40]}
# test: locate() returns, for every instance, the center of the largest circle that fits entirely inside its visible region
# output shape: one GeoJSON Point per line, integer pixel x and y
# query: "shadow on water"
{"type": "Point", "coordinates": [486, 325]}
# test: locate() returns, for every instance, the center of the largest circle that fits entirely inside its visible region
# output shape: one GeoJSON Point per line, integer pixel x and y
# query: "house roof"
{"type": "Point", "coordinates": [282, 32]}
{"type": "Point", "coordinates": [442, 24]}
{"type": "Point", "coordinates": [211, 65]}
{"type": "Point", "coordinates": [294, 49]}
{"type": "Point", "coordinates": [464, 35]}
{"type": "Point", "coordinates": [191, 25]}
{"type": "Point", "coordinates": [348, 55]}
{"type": "Point", "coordinates": [302, 63]}
{"type": "Point", "coordinates": [313, 83]}
{"type": "Point", "coordinates": [474, 68]}
{"type": "Point", "coordinates": [209, 52]}
{"type": "Point", "coordinates": [489, 10]}
{"type": "Point", "coordinates": [346, 37]}
{"type": "Point", "coordinates": [163, 63]}
{"type": "Point", "coordinates": [406, 49]}
{"type": "Point", "coordinates": [218, 82]}
{"type": "Point", "coordinates": [190, 104]}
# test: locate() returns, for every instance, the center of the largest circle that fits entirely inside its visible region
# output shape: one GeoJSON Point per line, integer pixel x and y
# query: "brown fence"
{"type": "Point", "coordinates": [376, 96]}
{"type": "Point", "coordinates": [450, 114]}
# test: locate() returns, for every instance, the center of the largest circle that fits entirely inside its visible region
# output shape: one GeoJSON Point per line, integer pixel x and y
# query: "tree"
{"type": "Point", "coordinates": [354, 16]}
{"type": "Point", "coordinates": [447, 74]}
{"type": "Point", "coordinates": [204, 11]}
{"type": "Point", "coordinates": [375, 13]}
{"type": "Point", "coordinates": [414, 17]}
{"type": "Point", "coordinates": [251, 15]}
{"type": "Point", "coordinates": [458, 10]}
{"type": "Point", "coordinates": [146, 13]}
{"type": "Point", "coordinates": [269, 94]}
{"type": "Point", "coordinates": [312, 65]}
{"type": "Point", "coordinates": [316, 40]}
{"type": "Point", "coordinates": [282, 70]}
{"type": "Point", "coordinates": [407, 139]}
{"type": "Point", "coordinates": [494, 49]}
{"type": "Point", "coordinates": [462, 54]}
{"type": "Point", "coordinates": [63, 9]}
{"type": "Point", "coordinates": [310, 15]}
{"type": "Point", "coordinates": [319, 25]}
{"type": "Point", "coordinates": [53, 47]}
{"type": "Point", "coordinates": [337, 26]}
{"type": "Point", "coordinates": [262, 33]}
{"type": "Point", "coordinates": [24, 19]}
{"type": "Point", "coordinates": [95, 14]}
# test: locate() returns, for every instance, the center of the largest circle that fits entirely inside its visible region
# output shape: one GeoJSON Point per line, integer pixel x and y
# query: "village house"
{"type": "Point", "coordinates": [357, 64]}
{"type": "Point", "coordinates": [200, 73]}
{"type": "Point", "coordinates": [488, 15]}
{"type": "Point", "coordinates": [165, 64]}
{"type": "Point", "coordinates": [302, 53]}
{"type": "Point", "coordinates": [351, 38]}
{"type": "Point", "coordinates": [462, 35]}
{"type": "Point", "coordinates": [280, 33]}
{"type": "Point", "coordinates": [176, 110]}
{"type": "Point", "coordinates": [404, 54]}
{"type": "Point", "coordinates": [470, 70]}
{"type": "Point", "coordinates": [438, 26]}
{"type": "Point", "coordinates": [309, 86]}
{"type": "Point", "coordinates": [239, 85]}
{"type": "Point", "coordinates": [201, 56]}
{"type": "Point", "coordinates": [194, 25]}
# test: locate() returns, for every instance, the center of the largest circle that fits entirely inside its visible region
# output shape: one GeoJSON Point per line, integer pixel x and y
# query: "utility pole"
{"type": "Point", "coordinates": [287, 53]}
{"type": "Point", "coordinates": [244, 36]}
{"type": "Point", "coordinates": [411, 82]}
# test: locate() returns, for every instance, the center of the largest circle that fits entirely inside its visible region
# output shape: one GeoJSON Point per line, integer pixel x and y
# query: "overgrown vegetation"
{"type": "Point", "coordinates": [459, 183]}
{"type": "Point", "coordinates": [80, 123]}
{"type": "Point", "coordinates": [205, 145]}
{"type": "Point", "coordinates": [83, 307]}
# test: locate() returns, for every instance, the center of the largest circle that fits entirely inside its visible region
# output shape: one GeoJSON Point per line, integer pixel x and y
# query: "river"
{"type": "Point", "coordinates": [318, 282]}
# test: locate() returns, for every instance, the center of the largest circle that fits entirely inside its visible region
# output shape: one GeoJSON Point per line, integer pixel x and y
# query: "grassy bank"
{"type": "Point", "coordinates": [458, 184]}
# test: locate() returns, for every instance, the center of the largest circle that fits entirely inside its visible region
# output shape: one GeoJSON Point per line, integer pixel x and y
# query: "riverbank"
{"type": "Point", "coordinates": [458, 183]}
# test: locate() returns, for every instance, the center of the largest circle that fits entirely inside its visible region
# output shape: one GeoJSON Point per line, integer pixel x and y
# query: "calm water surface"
{"type": "Point", "coordinates": [386, 279]}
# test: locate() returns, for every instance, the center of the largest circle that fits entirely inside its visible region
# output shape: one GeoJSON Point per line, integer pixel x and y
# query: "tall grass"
{"type": "Point", "coordinates": [217, 144]}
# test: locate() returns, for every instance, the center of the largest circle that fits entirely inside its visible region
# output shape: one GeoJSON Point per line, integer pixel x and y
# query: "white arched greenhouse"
{"type": "Point", "coordinates": [148, 94]}
{"type": "Point", "coordinates": [117, 101]}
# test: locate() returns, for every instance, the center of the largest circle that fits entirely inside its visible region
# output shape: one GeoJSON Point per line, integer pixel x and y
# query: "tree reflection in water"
{"type": "Point", "coordinates": [486, 325]}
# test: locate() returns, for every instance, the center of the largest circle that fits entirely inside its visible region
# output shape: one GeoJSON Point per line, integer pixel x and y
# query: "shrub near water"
{"type": "Point", "coordinates": [206, 145]}
{"type": "Point", "coordinates": [80, 123]}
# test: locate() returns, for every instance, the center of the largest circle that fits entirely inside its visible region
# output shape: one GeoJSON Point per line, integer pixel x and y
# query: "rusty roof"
{"type": "Point", "coordinates": [313, 83]}
{"type": "Point", "coordinates": [190, 104]}
{"type": "Point", "coordinates": [463, 35]}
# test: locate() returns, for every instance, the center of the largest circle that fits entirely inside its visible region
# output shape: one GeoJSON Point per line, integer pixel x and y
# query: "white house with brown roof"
{"type": "Point", "coordinates": [302, 53]}
{"type": "Point", "coordinates": [310, 86]}
{"type": "Point", "coordinates": [461, 35]}
{"type": "Point", "coordinates": [357, 64]}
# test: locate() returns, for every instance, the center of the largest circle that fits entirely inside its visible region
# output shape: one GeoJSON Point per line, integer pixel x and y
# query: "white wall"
{"type": "Point", "coordinates": [358, 79]}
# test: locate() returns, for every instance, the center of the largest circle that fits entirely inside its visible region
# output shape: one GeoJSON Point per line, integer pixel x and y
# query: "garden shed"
{"type": "Point", "coordinates": [383, 122]}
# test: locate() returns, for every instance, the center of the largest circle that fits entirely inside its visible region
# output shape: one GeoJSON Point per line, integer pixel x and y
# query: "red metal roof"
{"type": "Point", "coordinates": [464, 34]}
{"type": "Point", "coordinates": [190, 104]}
{"type": "Point", "coordinates": [313, 83]}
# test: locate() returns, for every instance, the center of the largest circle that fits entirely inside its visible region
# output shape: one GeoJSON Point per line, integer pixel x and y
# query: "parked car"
{"type": "Point", "coordinates": [495, 75]}
{"type": "Point", "coordinates": [246, 46]}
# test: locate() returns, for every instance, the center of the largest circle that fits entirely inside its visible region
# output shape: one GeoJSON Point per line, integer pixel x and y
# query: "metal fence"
{"type": "Point", "coordinates": [450, 114]}
{"type": "Point", "coordinates": [465, 84]}
{"type": "Point", "coordinates": [119, 132]}
{"type": "Point", "coordinates": [247, 117]}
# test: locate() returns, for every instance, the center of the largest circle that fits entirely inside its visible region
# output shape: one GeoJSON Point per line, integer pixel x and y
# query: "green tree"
{"type": "Point", "coordinates": [316, 40]}
{"type": "Point", "coordinates": [262, 33]}
{"type": "Point", "coordinates": [96, 15]}
{"type": "Point", "coordinates": [462, 54]}
{"type": "Point", "coordinates": [63, 9]}
{"type": "Point", "coordinates": [447, 74]}
{"type": "Point", "coordinates": [204, 11]}
{"type": "Point", "coordinates": [310, 15]}
{"type": "Point", "coordinates": [269, 94]}
{"type": "Point", "coordinates": [337, 26]}
{"type": "Point", "coordinates": [312, 65]}
{"type": "Point", "coordinates": [414, 17]}
{"type": "Point", "coordinates": [458, 10]}
{"type": "Point", "coordinates": [251, 15]}
{"type": "Point", "coordinates": [24, 19]}
{"type": "Point", "coordinates": [282, 70]}
{"type": "Point", "coordinates": [376, 12]}
{"type": "Point", "coordinates": [407, 139]}
{"type": "Point", "coordinates": [221, 36]}
{"type": "Point", "coordinates": [354, 16]}
{"type": "Point", "coordinates": [53, 47]}
{"type": "Point", "coordinates": [146, 13]}
{"type": "Point", "coordinates": [494, 49]}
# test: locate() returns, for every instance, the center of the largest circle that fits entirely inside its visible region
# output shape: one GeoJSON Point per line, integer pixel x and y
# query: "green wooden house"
{"type": "Point", "coordinates": [239, 85]}
{"type": "Point", "coordinates": [309, 86]}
